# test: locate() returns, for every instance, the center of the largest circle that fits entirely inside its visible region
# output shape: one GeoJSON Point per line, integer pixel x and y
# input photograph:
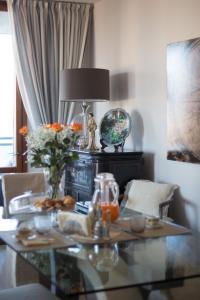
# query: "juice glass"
{"type": "Point", "coordinates": [113, 208]}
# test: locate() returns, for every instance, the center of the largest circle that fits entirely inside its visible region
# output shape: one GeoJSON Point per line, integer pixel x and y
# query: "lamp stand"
{"type": "Point", "coordinates": [85, 107]}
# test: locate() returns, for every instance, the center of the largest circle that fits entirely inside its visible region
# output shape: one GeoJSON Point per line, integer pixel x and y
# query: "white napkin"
{"type": "Point", "coordinates": [74, 223]}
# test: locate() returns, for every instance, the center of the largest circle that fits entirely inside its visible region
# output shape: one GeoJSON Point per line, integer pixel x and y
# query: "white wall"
{"type": "Point", "coordinates": [130, 40]}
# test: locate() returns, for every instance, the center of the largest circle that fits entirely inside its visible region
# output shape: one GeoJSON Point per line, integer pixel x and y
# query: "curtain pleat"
{"type": "Point", "coordinates": [48, 37]}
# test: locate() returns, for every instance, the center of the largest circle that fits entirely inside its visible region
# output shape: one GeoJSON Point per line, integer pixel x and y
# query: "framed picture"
{"type": "Point", "coordinates": [183, 111]}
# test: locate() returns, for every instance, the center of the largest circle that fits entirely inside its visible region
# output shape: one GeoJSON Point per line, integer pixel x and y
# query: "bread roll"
{"type": "Point", "coordinates": [69, 201]}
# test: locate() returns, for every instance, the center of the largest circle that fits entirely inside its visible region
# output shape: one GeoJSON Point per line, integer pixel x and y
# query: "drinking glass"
{"type": "Point", "coordinates": [42, 223]}
{"type": "Point", "coordinates": [137, 223]}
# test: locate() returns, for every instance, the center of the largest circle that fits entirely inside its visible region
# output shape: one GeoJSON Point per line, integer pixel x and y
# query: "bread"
{"type": "Point", "coordinates": [69, 200]}
{"type": "Point", "coordinates": [54, 204]}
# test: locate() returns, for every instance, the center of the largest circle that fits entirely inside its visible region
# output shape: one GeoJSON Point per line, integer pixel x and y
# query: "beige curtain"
{"type": "Point", "coordinates": [48, 37]}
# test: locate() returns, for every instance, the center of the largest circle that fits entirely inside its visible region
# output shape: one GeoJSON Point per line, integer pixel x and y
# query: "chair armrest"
{"type": "Point", "coordinates": [123, 202]}
{"type": "Point", "coordinates": [163, 209]}
{"type": "Point", "coordinates": [121, 198]}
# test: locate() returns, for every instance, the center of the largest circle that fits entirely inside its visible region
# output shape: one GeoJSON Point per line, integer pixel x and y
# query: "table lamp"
{"type": "Point", "coordinates": [84, 85]}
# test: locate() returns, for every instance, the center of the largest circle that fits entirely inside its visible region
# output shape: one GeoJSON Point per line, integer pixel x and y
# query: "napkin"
{"type": "Point", "coordinates": [74, 223]}
{"type": "Point", "coordinates": [34, 239]}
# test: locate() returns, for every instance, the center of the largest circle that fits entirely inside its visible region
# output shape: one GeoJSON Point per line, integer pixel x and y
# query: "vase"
{"type": "Point", "coordinates": [54, 186]}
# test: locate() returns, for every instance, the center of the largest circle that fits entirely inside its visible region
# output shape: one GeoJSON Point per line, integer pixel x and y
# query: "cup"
{"type": "Point", "coordinates": [137, 223]}
{"type": "Point", "coordinates": [42, 223]}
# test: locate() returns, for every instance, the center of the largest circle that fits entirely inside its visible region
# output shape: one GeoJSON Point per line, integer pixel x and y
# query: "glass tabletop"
{"type": "Point", "coordinates": [91, 268]}
{"type": "Point", "coordinates": [83, 269]}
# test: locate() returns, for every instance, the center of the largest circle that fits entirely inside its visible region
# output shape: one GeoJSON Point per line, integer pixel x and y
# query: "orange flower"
{"type": "Point", "coordinates": [47, 125]}
{"type": "Point", "coordinates": [76, 126]}
{"type": "Point", "coordinates": [57, 127]}
{"type": "Point", "coordinates": [23, 130]}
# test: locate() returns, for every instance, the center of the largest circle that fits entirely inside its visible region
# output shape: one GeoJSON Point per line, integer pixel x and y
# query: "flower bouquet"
{"type": "Point", "coordinates": [49, 147]}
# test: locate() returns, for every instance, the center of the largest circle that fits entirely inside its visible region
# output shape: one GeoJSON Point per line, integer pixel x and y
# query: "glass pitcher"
{"type": "Point", "coordinates": [106, 196]}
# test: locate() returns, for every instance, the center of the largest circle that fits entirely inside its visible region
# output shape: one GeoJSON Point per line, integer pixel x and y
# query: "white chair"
{"type": "Point", "coordinates": [148, 197]}
{"type": "Point", "coordinates": [27, 292]}
{"type": "Point", "coordinates": [15, 184]}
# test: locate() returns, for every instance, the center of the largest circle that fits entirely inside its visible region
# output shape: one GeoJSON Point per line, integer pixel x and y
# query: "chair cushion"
{"type": "Point", "coordinates": [146, 196]}
{"type": "Point", "coordinates": [27, 292]}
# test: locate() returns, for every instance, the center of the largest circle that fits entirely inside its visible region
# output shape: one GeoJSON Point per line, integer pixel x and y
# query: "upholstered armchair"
{"type": "Point", "coordinates": [148, 197]}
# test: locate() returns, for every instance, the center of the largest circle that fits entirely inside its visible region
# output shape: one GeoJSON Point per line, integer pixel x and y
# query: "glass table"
{"type": "Point", "coordinates": [84, 269]}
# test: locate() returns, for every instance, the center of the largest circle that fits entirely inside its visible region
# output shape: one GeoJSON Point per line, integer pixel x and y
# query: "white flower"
{"type": "Point", "coordinates": [49, 145]}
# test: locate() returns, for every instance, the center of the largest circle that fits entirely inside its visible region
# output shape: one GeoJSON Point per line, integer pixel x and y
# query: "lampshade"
{"type": "Point", "coordinates": [84, 84]}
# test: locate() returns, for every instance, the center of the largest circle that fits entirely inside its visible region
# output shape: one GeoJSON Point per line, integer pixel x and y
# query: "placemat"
{"type": "Point", "coordinates": [119, 232]}
{"type": "Point", "coordinates": [165, 229]}
{"type": "Point", "coordinates": [57, 240]}
{"type": "Point", "coordinates": [116, 235]}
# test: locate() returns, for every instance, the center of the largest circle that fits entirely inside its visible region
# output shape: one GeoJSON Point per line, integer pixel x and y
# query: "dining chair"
{"type": "Point", "coordinates": [148, 197]}
{"type": "Point", "coordinates": [99, 277]}
{"type": "Point", "coordinates": [188, 290]}
{"type": "Point", "coordinates": [27, 292]}
{"type": "Point", "coordinates": [15, 184]}
{"type": "Point", "coordinates": [17, 270]}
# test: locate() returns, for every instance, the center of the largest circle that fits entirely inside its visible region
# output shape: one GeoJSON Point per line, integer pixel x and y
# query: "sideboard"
{"type": "Point", "coordinates": [80, 174]}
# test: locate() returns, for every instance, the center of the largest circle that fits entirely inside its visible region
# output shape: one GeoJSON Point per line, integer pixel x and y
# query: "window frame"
{"type": "Point", "coordinates": [21, 120]}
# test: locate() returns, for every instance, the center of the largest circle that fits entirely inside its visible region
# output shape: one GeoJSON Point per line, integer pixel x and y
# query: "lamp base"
{"type": "Point", "coordinates": [80, 124]}
{"type": "Point", "coordinates": [82, 143]}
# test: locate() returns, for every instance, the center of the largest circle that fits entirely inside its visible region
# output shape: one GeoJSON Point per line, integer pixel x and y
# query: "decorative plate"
{"type": "Point", "coordinates": [115, 127]}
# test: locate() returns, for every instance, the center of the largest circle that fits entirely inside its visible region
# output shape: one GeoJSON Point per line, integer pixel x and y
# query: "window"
{"type": "Point", "coordinates": [12, 114]}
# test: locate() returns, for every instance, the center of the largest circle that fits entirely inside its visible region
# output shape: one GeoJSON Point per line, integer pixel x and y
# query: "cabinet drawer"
{"type": "Point", "coordinates": [80, 175]}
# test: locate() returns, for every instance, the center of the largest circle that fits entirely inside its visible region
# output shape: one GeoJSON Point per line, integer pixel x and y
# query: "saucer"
{"type": "Point", "coordinates": [154, 226]}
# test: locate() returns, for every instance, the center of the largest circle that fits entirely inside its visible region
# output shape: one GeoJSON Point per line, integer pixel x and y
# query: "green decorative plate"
{"type": "Point", "coordinates": [115, 127]}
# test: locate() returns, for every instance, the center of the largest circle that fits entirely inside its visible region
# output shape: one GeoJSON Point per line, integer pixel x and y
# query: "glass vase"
{"type": "Point", "coordinates": [80, 124]}
{"type": "Point", "coordinates": [54, 186]}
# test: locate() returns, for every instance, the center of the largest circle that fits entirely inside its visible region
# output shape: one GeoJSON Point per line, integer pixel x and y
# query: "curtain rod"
{"type": "Point", "coordinates": [63, 1]}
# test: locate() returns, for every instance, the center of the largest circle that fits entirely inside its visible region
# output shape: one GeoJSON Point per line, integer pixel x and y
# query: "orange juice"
{"type": "Point", "coordinates": [112, 207]}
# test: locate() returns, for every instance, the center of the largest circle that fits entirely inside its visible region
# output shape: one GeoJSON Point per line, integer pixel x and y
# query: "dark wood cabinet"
{"type": "Point", "coordinates": [80, 174]}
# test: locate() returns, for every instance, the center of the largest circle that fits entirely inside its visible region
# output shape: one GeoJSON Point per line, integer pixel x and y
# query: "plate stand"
{"type": "Point", "coordinates": [117, 147]}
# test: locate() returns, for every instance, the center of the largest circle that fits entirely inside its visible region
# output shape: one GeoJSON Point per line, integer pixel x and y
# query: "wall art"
{"type": "Point", "coordinates": [183, 111]}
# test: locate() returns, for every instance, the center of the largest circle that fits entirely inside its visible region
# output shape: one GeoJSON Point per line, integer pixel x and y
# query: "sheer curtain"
{"type": "Point", "coordinates": [48, 37]}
